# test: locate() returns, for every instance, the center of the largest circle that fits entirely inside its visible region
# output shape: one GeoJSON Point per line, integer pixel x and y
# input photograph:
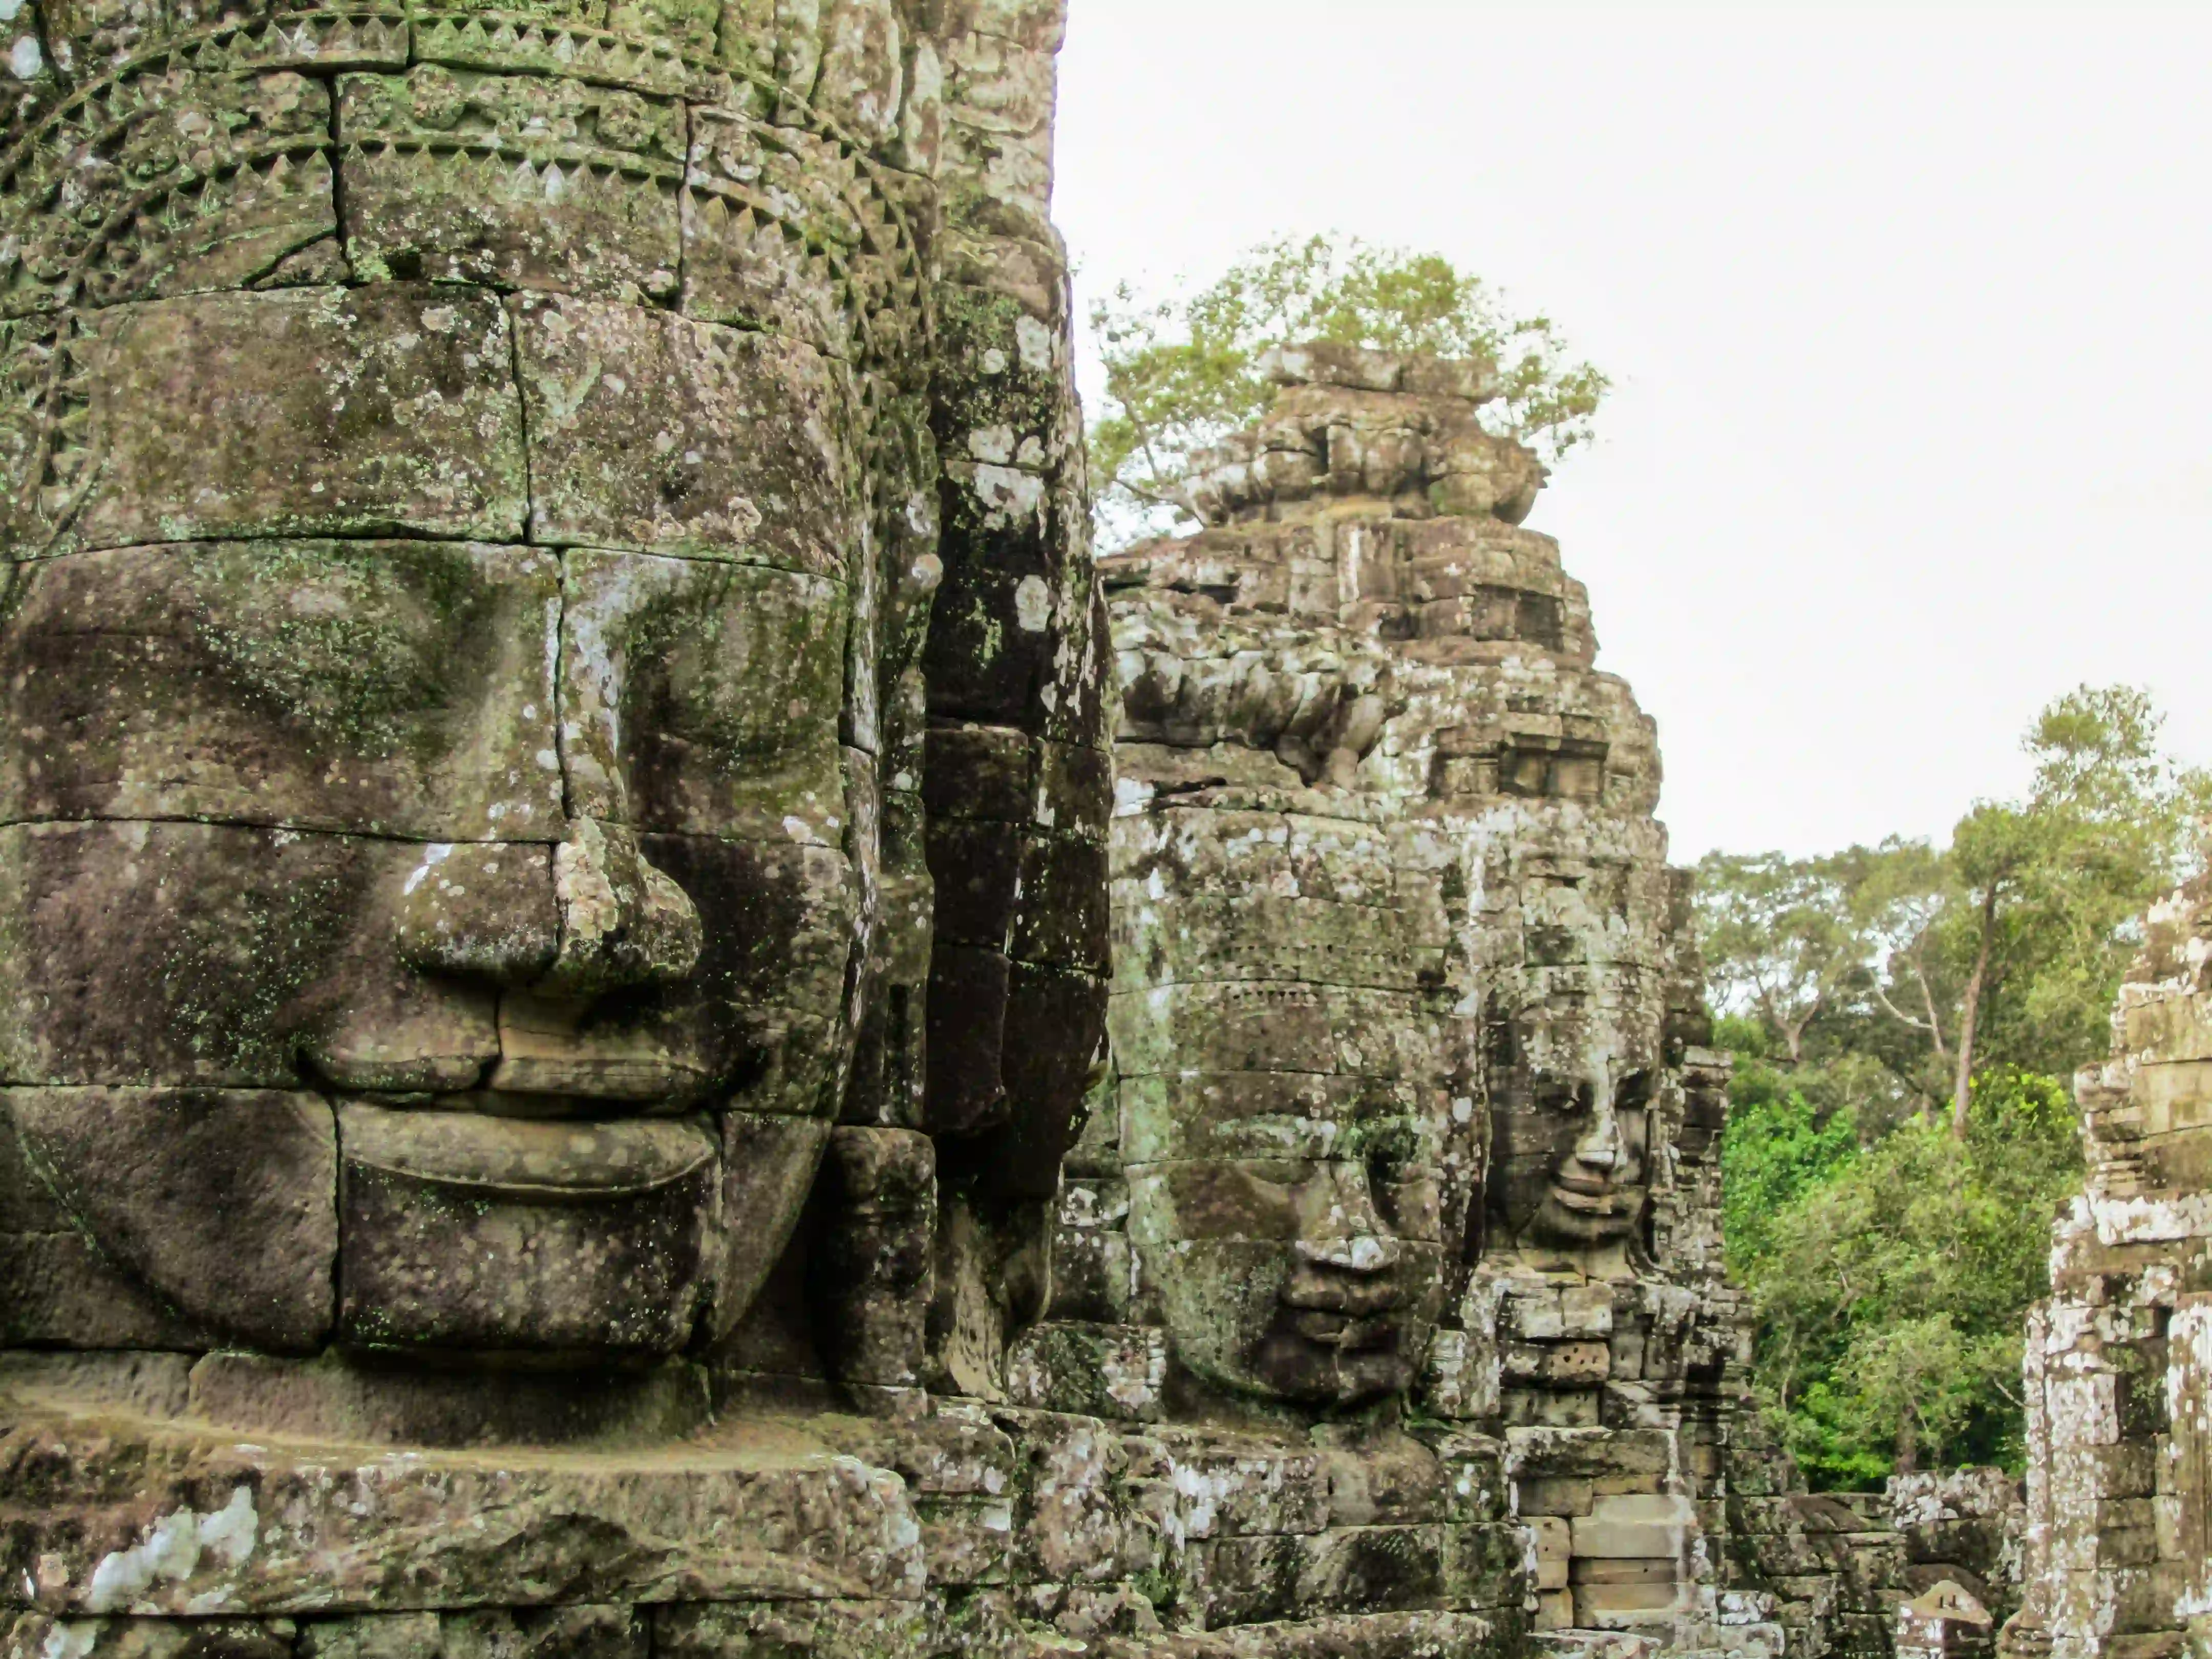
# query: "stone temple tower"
{"type": "Point", "coordinates": [1413, 1109]}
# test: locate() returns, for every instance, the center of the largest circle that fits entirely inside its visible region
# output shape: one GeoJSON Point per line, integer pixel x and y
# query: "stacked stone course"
{"type": "Point", "coordinates": [2118, 1371]}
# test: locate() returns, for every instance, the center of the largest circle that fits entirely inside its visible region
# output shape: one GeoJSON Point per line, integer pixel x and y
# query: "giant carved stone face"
{"type": "Point", "coordinates": [1283, 1117]}
{"type": "Point", "coordinates": [443, 750]}
{"type": "Point", "coordinates": [1293, 1225]}
{"type": "Point", "coordinates": [1574, 1068]}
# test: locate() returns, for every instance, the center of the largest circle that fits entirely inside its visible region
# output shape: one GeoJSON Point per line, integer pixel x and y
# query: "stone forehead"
{"type": "Point", "coordinates": [447, 690]}
{"type": "Point", "coordinates": [1273, 1114]}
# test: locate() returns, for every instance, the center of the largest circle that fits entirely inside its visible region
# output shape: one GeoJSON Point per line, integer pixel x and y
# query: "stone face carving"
{"type": "Point", "coordinates": [447, 667]}
{"type": "Point", "coordinates": [489, 843]}
{"type": "Point", "coordinates": [472, 511]}
{"type": "Point", "coordinates": [2118, 1367]}
{"type": "Point", "coordinates": [1575, 1063]}
{"type": "Point", "coordinates": [1410, 1112]}
{"type": "Point", "coordinates": [558, 862]}
{"type": "Point", "coordinates": [1282, 1138]}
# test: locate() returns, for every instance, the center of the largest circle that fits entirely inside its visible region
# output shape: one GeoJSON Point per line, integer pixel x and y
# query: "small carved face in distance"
{"type": "Point", "coordinates": [1291, 1226]}
{"type": "Point", "coordinates": [1598, 1186]}
{"type": "Point", "coordinates": [1572, 1116]}
{"type": "Point", "coordinates": [520, 881]}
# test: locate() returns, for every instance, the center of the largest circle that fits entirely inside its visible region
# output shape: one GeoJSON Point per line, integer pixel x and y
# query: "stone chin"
{"type": "Point", "coordinates": [1294, 1342]}
{"type": "Point", "coordinates": [1365, 1361]}
{"type": "Point", "coordinates": [561, 1242]}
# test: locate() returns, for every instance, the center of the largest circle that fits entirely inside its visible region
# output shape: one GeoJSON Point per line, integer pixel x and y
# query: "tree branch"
{"type": "Point", "coordinates": [1896, 1012]}
{"type": "Point", "coordinates": [1181, 498]}
{"type": "Point", "coordinates": [1928, 1001]}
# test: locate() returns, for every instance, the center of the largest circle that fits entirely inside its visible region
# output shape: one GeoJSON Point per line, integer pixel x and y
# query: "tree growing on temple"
{"type": "Point", "coordinates": [1182, 372]}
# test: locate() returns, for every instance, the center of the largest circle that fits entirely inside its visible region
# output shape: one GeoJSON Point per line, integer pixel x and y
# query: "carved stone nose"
{"type": "Point", "coordinates": [1363, 1252]}
{"type": "Point", "coordinates": [1598, 1151]}
{"type": "Point", "coordinates": [1339, 1226]}
{"type": "Point", "coordinates": [574, 921]}
{"type": "Point", "coordinates": [623, 922]}
{"type": "Point", "coordinates": [480, 911]}
{"type": "Point", "coordinates": [1600, 1148]}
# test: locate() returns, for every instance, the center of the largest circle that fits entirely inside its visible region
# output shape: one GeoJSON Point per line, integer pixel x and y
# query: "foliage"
{"type": "Point", "coordinates": [1182, 372]}
{"type": "Point", "coordinates": [1903, 1015]}
{"type": "Point", "coordinates": [1919, 964]}
{"type": "Point", "coordinates": [1891, 1282]}
{"type": "Point", "coordinates": [2110, 824]}
{"type": "Point", "coordinates": [1777, 1148]}
{"type": "Point", "coordinates": [1779, 935]}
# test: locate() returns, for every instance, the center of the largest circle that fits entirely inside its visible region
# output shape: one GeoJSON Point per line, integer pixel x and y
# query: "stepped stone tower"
{"type": "Point", "coordinates": [2118, 1368]}
{"type": "Point", "coordinates": [1414, 1125]}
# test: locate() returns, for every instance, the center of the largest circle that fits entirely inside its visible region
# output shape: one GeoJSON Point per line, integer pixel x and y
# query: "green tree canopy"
{"type": "Point", "coordinates": [1891, 1283]}
{"type": "Point", "coordinates": [1877, 992]}
{"type": "Point", "coordinates": [2005, 947]}
{"type": "Point", "coordinates": [1182, 372]}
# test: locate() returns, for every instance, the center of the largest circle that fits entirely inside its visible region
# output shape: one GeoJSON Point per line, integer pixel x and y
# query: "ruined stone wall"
{"type": "Point", "coordinates": [2118, 1369]}
{"type": "Point", "coordinates": [1965, 1526]}
{"type": "Point", "coordinates": [1933, 1561]}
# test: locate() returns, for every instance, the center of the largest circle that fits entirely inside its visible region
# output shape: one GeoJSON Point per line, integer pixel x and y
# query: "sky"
{"type": "Point", "coordinates": [1910, 311]}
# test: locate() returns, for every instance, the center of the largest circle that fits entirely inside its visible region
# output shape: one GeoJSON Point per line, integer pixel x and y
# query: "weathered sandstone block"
{"type": "Point", "coordinates": [2117, 1555]}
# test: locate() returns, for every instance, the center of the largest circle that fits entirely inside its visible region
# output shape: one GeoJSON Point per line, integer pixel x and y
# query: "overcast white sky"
{"type": "Point", "coordinates": [1910, 309]}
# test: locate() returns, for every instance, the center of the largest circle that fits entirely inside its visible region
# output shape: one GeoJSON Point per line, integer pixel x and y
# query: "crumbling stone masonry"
{"type": "Point", "coordinates": [1933, 1562]}
{"type": "Point", "coordinates": [2120, 1360]}
{"type": "Point", "coordinates": [1412, 1135]}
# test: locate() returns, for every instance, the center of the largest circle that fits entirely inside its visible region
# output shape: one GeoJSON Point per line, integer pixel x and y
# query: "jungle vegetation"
{"type": "Point", "coordinates": [1906, 1020]}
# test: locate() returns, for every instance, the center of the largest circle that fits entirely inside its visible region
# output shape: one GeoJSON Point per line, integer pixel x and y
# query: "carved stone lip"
{"type": "Point", "coordinates": [1346, 1331]}
{"type": "Point", "coordinates": [1592, 1197]}
{"type": "Point", "coordinates": [523, 1157]}
{"type": "Point", "coordinates": [551, 1105]}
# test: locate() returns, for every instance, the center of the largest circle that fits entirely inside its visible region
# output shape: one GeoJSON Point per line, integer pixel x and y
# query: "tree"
{"type": "Point", "coordinates": [2054, 884]}
{"type": "Point", "coordinates": [1182, 372]}
{"type": "Point", "coordinates": [1891, 1257]}
{"type": "Point", "coordinates": [1779, 935]}
{"type": "Point", "coordinates": [1993, 849]}
{"type": "Point", "coordinates": [1908, 888]}
{"type": "Point", "coordinates": [1777, 1148]}
{"type": "Point", "coordinates": [2007, 946]}
{"type": "Point", "coordinates": [1891, 1284]}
